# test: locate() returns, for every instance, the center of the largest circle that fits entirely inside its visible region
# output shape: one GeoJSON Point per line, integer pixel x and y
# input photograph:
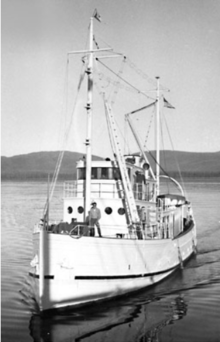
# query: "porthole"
{"type": "Point", "coordinates": [80, 210]}
{"type": "Point", "coordinates": [108, 210]}
{"type": "Point", "coordinates": [70, 210]}
{"type": "Point", "coordinates": [121, 211]}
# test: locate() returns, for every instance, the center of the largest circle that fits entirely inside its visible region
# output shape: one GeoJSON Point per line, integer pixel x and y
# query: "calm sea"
{"type": "Point", "coordinates": [184, 307]}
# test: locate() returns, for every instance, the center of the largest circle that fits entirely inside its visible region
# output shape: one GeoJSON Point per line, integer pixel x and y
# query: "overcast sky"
{"type": "Point", "coordinates": [178, 40]}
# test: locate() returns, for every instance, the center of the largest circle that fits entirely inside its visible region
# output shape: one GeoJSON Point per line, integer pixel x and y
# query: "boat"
{"type": "Point", "coordinates": [143, 234]}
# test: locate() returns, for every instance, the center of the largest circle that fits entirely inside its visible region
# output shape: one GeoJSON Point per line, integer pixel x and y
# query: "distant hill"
{"type": "Point", "coordinates": [190, 162]}
{"type": "Point", "coordinates": [37, 166]}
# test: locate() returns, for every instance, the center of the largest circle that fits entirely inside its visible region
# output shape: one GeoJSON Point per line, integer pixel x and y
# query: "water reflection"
{"type": "Point", "coordinates": [121, 320]}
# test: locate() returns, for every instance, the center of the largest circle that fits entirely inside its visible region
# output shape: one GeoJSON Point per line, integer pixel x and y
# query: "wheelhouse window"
{"type": "Point", "coordinates": [100, 173]}
{"type": "Point", "coordinates": [129, 172]}
{"type": "Point", "coordinates": [116, 174]}
{"type": "Point", "coordinates": [81, 173]}
{"type": "Point", "coordinates": [104, 173]}
{"type": "Point", "coordinates": [94, 173]}
{"type": "Point", "coordinates": [139, 177]}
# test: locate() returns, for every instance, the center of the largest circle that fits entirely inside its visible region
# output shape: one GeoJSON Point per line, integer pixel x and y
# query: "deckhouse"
{"type": "Point", "coordinates": [107, 191]}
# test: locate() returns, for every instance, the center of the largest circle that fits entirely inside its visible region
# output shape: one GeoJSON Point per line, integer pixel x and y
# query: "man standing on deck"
{"type": "Point", "coordinates": [94, 217]}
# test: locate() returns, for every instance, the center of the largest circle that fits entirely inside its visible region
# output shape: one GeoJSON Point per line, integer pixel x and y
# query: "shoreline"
{"type": "Point", "coordinates": [63, 178]}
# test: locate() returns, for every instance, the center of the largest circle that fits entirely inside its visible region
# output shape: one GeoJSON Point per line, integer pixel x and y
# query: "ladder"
{"type": "Point", "coordinates": [129, 197]}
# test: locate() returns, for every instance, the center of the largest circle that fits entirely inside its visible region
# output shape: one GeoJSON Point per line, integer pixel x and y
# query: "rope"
{"type": "Point", "coordinates": [130, 85]}
{"type": "Point", "coordinates": [108, 126]}
{"type": "Point", "coordinates": [100, 76]}
{"type": "Point", "coordinates": [148, 132]}
{"type": "Point", "coordinates": [118, 82]}
{"type": "Point", "coordinates": [61, 154]}
{"type": "Point", "coordinates": [163, 153]}
{"type": "Point", "coordinates": [144, 75]}
{"type": "Point", "coordinates": [177, 164]}
{"type": "Point", "coordinates": [140, 72]}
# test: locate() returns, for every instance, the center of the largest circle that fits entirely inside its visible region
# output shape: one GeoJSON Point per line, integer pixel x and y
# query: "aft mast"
{"type": "Point", "coordinates": [157, 133]}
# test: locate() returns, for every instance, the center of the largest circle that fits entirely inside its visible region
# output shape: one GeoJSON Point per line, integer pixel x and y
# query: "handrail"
{"type": "Point", "coordinates": [72, 189]}
{"type": "Point", "coordinates": [99, 189]}
{"type": "Point", "coordinates": [77, 227]}
{"type": "Point", "coordinates": [175, 182]}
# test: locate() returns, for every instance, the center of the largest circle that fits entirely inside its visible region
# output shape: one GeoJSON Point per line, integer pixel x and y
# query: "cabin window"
{"type": "Point", "coordinates": [139, 177]}
{"type": "Point", "coordinates": [121, 211]}
{"type": "Point", "coordinates": [80, 210]}
{"type": "Point", "coordinates": [108, 210]}
{"type": "Point", "coordinates": [69, 210]}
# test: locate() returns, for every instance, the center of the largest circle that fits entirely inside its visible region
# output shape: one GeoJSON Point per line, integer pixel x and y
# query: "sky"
{"type": "Point", "coordinates": [174, 39]}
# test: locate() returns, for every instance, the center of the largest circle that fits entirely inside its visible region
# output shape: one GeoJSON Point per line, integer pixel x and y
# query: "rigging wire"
{"type": "Point", "coordinates": [149, 127]}
{"type": "Point", "coordinates": [130, 85]}
{"type": "Point", "coordinates": [103, 41]}
{"type": "Point", "coordinates": [140, 72]}
{"type": "Point", "coordinates": [115, 93]}
{"type": "Point", "coordinates": [163, 154]}
{"type": "Point", "coordinates": [109, 129]}
{"type": "Point", "coordinates": [124, 138]}
{"type": "Point", "coordinates": [101, 92]}
{"type": "Point", "coordinates": [52, 184]}
{"type": "Point", "coordinates": [177, 164]}
{"type": "Point", "coordinates": [114, 82]}
{"type": "Point", "coordinates": [156, 163]}
{"type": "Point", "coordinates": [117, 84]}
{"type": "Point", "coordinates": [144, 75]}
{"type": "Point", "coordinates": [61, 154]}
{"type": "Point", "coordinates": [66, 135]}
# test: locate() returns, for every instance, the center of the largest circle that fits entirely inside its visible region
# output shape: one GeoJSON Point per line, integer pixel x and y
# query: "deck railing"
{"type": "Point", "coordinates": [142, 232]}
{"type": "Point", "coordinates": [98, 189]}
{"type": "Point", "coordinates": [103, 189]}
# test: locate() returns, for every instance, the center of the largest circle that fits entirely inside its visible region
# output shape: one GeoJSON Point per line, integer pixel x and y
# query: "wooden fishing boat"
{"type": "Point", "coordinates": [145, 234]}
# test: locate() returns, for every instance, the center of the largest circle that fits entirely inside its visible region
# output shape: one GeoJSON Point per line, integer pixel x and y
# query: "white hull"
{"type": "Point", "coordinates": [79, 271]}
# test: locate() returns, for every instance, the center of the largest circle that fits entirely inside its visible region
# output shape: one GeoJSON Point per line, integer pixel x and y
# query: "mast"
{"type": "Point", "coordinates": [158, 137]}
{"type": "Point", "coordinates": [89, 72]}
{"type": "Point", "coordinates": [90, 53]}
{"type": "Point", "coordinates": [42, 236]}
{"type": "Point", "coordinates": [139, 144]}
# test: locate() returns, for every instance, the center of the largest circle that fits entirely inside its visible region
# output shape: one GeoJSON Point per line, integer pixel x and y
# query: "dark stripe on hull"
{"type": "Point", "coordinates": [125, 276]}
{"type": "Point", "coordinates": [111, 277]}
{"type": "Point", "coordinates": [37, 276]}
